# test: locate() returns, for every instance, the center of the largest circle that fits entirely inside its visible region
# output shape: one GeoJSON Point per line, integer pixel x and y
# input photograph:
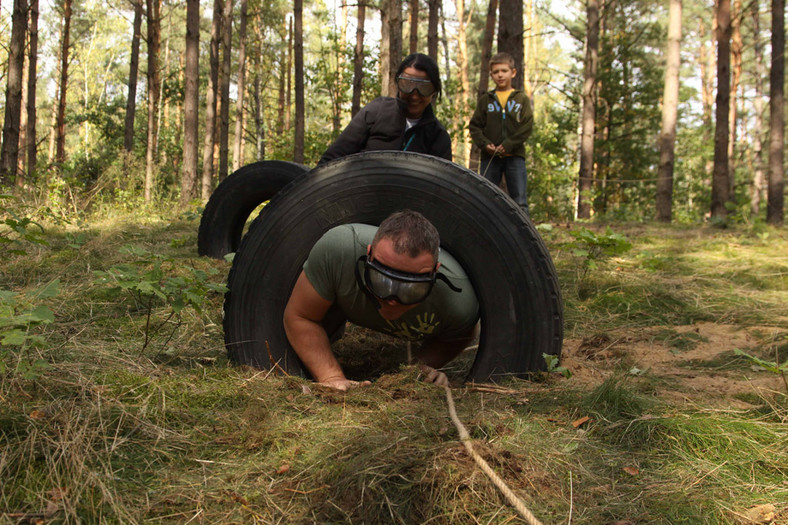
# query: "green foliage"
{"type": "Point", "coordinates": [552, 365]}
{"type": "Point", "coordinates": [153, 279]}
{"type": "Point", "coordinates": [591, 248]}
{"type": "Point", "coordinates": [20, 314]}
{"type": "Point", "coordinates": [17, 230]}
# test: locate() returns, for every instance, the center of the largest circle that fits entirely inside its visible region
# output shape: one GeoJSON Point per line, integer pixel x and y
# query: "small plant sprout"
{"type": "Point", "coordinates": [772, 366]}
{"type": "Point", "coordinates": [552, 366]}
{"type": "Point", "coordinates": [592, 247]}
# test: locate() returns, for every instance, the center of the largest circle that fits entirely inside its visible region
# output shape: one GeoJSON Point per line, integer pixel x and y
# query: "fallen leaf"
{"type": "Point", "coordinates": [761, 514]}
{"type": "Point", "coordinates": [38, 414]}
{"type": "Point", "coordinates": [632, 471]}
{"type": "Point", "coordinates": [284, 468]}
{"type": "Point", "coordinates": [577, 422]}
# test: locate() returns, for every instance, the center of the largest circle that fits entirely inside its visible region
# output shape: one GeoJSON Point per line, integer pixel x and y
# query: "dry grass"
{"type": "Point", "coordinates": [178, 434]}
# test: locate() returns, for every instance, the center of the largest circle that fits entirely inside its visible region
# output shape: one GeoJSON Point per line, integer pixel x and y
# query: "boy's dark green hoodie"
{"type": "Point", "coordinates": [510, 125]}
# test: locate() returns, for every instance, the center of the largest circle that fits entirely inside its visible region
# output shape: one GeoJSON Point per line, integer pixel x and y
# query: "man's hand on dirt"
{"type": "Point", "coordinates": [434, 376]}
{"type": "Point", "coordinates": [342, 384]}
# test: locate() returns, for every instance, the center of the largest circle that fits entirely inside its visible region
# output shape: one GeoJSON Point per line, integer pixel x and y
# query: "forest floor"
{"type": "Point", "coordinates": [128, 411]}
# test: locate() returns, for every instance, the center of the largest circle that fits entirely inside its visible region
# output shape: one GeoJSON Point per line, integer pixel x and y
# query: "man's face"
{"type": "Point", "coordinates": [384, 253]}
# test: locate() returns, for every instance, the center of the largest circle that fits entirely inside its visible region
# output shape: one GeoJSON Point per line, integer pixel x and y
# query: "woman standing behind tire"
{"type": "Point", "coordinates": [405, 123]}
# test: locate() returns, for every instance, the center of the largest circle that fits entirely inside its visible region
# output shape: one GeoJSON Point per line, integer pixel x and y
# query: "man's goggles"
{"type": "Point", "coordinates": [387, 283]}
{"type": "Point", "coordinates": [409, 85]}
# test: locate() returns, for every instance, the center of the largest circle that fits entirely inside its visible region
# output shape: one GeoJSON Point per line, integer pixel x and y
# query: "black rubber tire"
{"type": "Point", "coordinates": [235, 198]}
{"type": "Point", "coordinates": [495, 242]}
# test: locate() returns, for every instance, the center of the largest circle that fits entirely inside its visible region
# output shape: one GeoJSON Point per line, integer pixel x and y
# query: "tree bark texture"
{"type": "Point", "coordinates": [9, 155]}
{"type": "Point", "coordinates": [775, 198]}
{"type": "Point", "coordinates": [719, 183]}
{"type": "Point", "coordinates": [131, 101]}
{"type": "Point", "coordinates": [670, 104]}
{"type": "Point", "coordinates": [191, 98]}
{"type": "Point", "coordinates": [60, 123]}
{"type": "Point", "coordinates": [395, 43]}
{"type": "Point", "coordinates": [358, 59]}
{"type": "Point", "coordinates": [210, 103]}
{"type": "Point", "coordinates": [224, 110]}
{"type": "Point", "coordinates": [484, 69]}
{"type": "Point", "coordinates": [432, 29]}
{"type": "Point", "coordinates": [510, 35]}
{"type": "Point", "coordinates": [586, 176]}
{"type": "Point", "coordinates": [32, 61]}
{"type": "Point", "coordinates": [737, 48]}
{"type": "Point", "coordinates": [239, 103]}
{"type": "Point", "coordinates": [154, 42]}
{"type": "Point", "coordinates": [413, 12]}
{"type": "Point", "coordinates": [758, 179]}
{"type": "Point", "coordinates": [298, 55]}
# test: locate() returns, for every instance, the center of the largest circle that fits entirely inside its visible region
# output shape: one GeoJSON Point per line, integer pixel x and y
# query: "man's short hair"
{"type": "Point", "coordinates": [502, 58]}
{"type": "Point", "coordinates": [411, 233]}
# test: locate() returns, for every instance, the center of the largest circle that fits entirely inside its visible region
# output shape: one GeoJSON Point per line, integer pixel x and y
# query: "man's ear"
{"type": "Point", "coordinates": [437, 266]}
{"type": "Point", "coordinates": [369, 249]}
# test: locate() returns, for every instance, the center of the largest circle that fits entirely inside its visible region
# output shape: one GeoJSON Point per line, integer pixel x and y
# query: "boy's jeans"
{"type": "Point", "coordinates": [516, 175]}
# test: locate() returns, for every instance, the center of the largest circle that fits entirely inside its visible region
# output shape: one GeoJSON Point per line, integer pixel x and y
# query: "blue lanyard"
{"type": "Point", "coordinates": [408, 143]}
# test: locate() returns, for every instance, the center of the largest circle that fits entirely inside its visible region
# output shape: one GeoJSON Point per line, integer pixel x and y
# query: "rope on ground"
{"type": "Point", "coordinates": [501, 484]}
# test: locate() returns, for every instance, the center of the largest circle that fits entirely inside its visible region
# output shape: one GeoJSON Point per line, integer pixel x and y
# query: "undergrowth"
{"type": "Point", "coordinates": [111, 430]}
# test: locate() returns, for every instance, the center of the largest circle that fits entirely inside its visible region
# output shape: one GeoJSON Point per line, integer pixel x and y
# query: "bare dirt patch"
{"type": "Point", "coordinates": [693, 363]}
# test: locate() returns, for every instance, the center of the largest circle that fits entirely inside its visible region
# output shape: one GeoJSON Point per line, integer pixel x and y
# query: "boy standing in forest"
{"type": "Point", "coordinates": [500, 125]}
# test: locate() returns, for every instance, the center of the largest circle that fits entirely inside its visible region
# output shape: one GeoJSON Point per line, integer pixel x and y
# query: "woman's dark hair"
{"type": "Point", "coordinates": [426, 64]}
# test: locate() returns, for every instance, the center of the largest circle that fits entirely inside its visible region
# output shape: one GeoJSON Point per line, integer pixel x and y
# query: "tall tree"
{"type": "Point", "coordinates": [191, 98]}
{"type": "Point", "coordinates": [510, 35]}
{"type": "Point", "coordinates": [588, 122]}
{"type": "Point", "coordinates": [224, 109]}
{"type": "Point", "coordinates": [775, 198]}
{"type": "Point", "coordinates": [9, 155]}
{"type": "Point", "coordinates": [154, 86]}
{"type": "Point", "coordinates": [32, 73]}
{"type": "Point", "coordinates": [463, 102]}
{"type": "Point", "coordinates": [395, 43]}
{"type": "Point", "coordinates": [484, 70]}
{"type": "Point", "coordinates": [210, 103]}
{"type": "Point", "coordinates": [241, 82]}
{"type": "Point", "coordinates": [358, 59]}
{"type": "Point", "coordinates": [131, 101]}
{"type": "Point", "coordinates": [737, 48]}
{"type": "Point", "coordinates": [670, 104]}
{"type": "Point", "coordinates": [60, 119]}
{"type": "Point", "coordinates": [719, 182]}
{"type": "Point", "coordinates": [758, 179]}
{"type": "Point", "coordinates": [432, 28]}
{"type": "Point", "coordinates": [298, 52]}
{"type": "Point", "coordinates": [413, 12]}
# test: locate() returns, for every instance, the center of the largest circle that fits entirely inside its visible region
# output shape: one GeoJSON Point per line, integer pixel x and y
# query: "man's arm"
{"type": "Point", "coordinates": [303, 315]}
{"type": "Point", "coordinates": [435, 354]}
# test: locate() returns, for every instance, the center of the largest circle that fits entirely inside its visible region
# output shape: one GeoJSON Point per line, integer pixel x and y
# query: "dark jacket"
{"type": "Point", "coordinates": [509, 126]}
{"type": "Point", "coordinates": [380, 125]}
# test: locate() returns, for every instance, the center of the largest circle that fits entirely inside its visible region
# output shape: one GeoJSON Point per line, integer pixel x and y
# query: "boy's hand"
{"type": "Point", "coordinates": [490, 148]}
{"type": "Point", "coordinates": [495, 150]}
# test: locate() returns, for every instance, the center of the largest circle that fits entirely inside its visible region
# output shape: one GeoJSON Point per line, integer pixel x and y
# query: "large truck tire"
{"type": "Point", "coordinates": [495, 242]}
{"type": "Point", "coordinates": [235, 198]}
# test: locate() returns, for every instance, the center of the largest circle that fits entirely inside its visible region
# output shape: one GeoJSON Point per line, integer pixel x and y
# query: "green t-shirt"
{"type": "Point", "coordinates": [444, 315]}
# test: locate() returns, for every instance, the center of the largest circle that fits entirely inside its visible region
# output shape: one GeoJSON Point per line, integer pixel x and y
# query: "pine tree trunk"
{"type": "Point", "coordinates": [210, 104]}
{"type": "Point", "coordinates": [758, 181]}
{"type": "Point", "coordinates": [283, 65]}
{"type": "Point", "coordinates": [670, 104]}
{"type": "Point", "coordinates": [463, 113]}
{"type": "Point", "coordinates": [191, 98]}
{"type": "Point", "coordinates": [395, 45]}
{"type": "Point", "coordinates": [32, 146]}
{"type": "Point", "coordinates": [224, 109]}
{"type": "Point", "coordinates": [586, 176]}
{"type": "Point", "coordinates": [484, 70]}
{"type": "Point", "coordinates": [775, 199]}
{"type": "Point", "coordinates": [358, 59]}
{"type": "Point", "coordinates": [9, 155]}
{"type": "Point", "coordinates": [298, 52]}
{"type": "Point", "coordinates": [131, 101]}
{"type": "Point", "coordinates": [154, 42]}
{"type": "Point", "coordinates": [510, 35]}
{"type": "Point", "coordinates": [737, 46]}
{"type": "Point", "coordinates": [432, 29]}
{"type": "Point", "coordinates": [60, 125]}
{"type": "Point", "coordinates": [289, 86]}
{"type": "Point", "coordinates": [239, 104]}
{"type": "Point", "coordinates": [385, 47]}
{"type": "Point", "coordinates": [413, 11]}
{"type": "Point", "coordinates": [719, 183]}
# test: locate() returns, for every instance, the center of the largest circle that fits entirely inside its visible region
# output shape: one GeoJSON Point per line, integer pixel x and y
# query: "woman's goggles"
{"type": "Point", "coordinates": [387, 283]}
{"type": "Point", "coordinates": [408, 85]}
